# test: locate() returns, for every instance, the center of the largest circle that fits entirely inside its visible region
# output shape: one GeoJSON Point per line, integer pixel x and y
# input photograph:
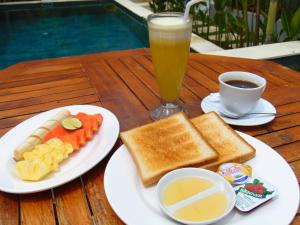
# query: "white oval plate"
{"type": "Point", "coordinates": [263, 106]}
{"type": "Point", "coordinates": [80, 162]}
{"type": "Point", "coordinates": [136, 205]}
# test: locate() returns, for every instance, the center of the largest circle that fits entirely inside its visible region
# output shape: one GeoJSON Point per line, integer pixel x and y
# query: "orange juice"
{"type": "Point", "coordinates": [170, 44]}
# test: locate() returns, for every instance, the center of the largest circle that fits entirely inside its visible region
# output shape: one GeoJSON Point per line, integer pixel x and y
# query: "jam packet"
{"type": "Point", "coordinates": [253, 193]}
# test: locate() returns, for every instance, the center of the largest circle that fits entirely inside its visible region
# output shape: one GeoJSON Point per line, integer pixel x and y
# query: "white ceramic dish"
{"type": "Point", "coordinates": [219, 184]}
{"type": "Point", "coordinates": [137, 205]}
{"type": "Point", "coordinates": [212, 103]}
{"type": "Point", "coordinates": [80, 162]}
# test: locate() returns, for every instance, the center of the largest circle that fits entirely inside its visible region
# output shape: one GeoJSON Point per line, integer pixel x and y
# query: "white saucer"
{"type": "Point", "coordinates": [212, 103]}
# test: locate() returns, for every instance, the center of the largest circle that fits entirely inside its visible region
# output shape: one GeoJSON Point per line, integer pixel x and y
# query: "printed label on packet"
{"type": "Point", "coordinates": [235, 173]}
{"type": "Point", "coordinates": [253, 193]}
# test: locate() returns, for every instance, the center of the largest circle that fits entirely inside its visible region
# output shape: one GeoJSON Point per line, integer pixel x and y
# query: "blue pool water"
{"type": "Point", "coordinates": [292, 62]}
{"type": "Point", "coordinates": [63, 30]}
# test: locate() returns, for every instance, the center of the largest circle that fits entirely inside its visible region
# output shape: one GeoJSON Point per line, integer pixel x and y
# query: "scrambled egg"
{"type": "Point", "coordinates": [43, 159]}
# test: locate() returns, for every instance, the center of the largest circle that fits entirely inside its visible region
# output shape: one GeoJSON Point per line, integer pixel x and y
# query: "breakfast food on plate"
{"type": "Point", "coordinates": [37, 136]}
{"type": "Point", "coordinates": [165, 145]}
{"type": "Point", "coordinates": [225, 141]}
{"type": "Point", "coordinates": [195, 196]}
{"type": "Point", "coordinates": [77, 137]}
{"type": "Point", "coordinates": [201, 209]}
{"type": "Point", "coordinates": [71, 123]}
{"type": "Point", "coordinates": [58, 137]}
{"type": "Point", "coordinates": [43, 159]}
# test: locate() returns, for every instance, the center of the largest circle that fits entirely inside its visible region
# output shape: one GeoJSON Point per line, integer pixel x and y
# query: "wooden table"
{"type": "Point", "coordinates": [123, 82]}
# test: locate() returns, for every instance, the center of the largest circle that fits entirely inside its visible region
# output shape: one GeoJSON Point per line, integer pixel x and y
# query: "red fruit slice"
{"type": "Point", "coordinates": [56, 132]}
{"type": "Point", "coordinates": [80, 136]}
{"type": "Point", "coordinates": [94, 123]}
{"type": "Point", "coordinates": [86, 125]}
{"type": "Point", "coordinates": [99, 119]}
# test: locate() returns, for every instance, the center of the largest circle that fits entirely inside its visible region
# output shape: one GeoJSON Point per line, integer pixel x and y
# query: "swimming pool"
{"type": "Point", "coordinates": [57, 30]}
{"type": "Point", "coordinates": [292, 62]}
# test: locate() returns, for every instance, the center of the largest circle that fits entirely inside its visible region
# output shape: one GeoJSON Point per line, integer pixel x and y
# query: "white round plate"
{"type": "Point", "coordinates": [77, 164]}
{"type": "Point", "coordinates": [136, 205]}
{"type": "Point", "coordinates": [212, 103]}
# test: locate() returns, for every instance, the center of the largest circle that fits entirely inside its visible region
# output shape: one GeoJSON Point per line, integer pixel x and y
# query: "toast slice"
{"type": "Point", "coordinates": [165, 145]}
{"type": "Point", "coordinates": [227, 143]}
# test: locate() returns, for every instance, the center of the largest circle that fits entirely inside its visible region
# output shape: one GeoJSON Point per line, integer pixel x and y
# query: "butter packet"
{"type": "Point", "coordinates": [235, 173]}
{"type": "Point", "coordinates": [253, 193]}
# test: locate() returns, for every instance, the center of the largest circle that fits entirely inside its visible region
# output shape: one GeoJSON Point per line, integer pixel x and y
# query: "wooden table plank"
{"type": "Point", "coordinates": [124, 83]}
{"type": "Point", "coordinates": [42, 86]}
{"type": "Point", "coordinates": [43, 92]}
{"type": "Point", "coordinates": [143, 72]}
{"type": "Point", "coordinates": [13, 121]}
{"type": "Point", "coordinates": [47, 106]}
{"type": "Point", "coordinates": [118, 99]}
{"type": "Point", "coordinates": [281, 122]}
{"type": "Point", "coordinates": [203, 81]}
{"type": "Point", "coordinates": [296, 221]}
{"type": "Point", "coordinates": [37, 208]}
{"type": "Point", "coordinates": [46, 99]}
{"type": "Point", "coordinates": [71, 204]}
{"type": "Point", "coordinates": [290, 152]}
{"type": "Point", "coordinates": [9, 209]}
{"type": "Point", "coordinates": [102, 211]}
{"type": "Point", "coordinates": [20, 83]}
{"type": "Point", "coordinates": [204, 71]}
{"type": "Point", "coordinates": [283, 95]}
{"type": "Point", "coordinates": [296, 168]}
{"type": "Point", "coordinates": [281, 137]}
{"type": "Point", "coordinates": [48, 74]}
{"type": "Point", "coordinates": [127, 75]}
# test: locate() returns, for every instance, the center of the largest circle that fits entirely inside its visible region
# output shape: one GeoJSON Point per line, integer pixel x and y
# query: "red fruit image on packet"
{"type": "Point", "coordinates": [253, 193]}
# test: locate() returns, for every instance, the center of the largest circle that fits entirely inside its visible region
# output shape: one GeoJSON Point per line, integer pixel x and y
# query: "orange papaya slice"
{"type": "Point", "coordinates": [80, 136]}
{"type": "Point", "coordinates": [56, 132]}
{"type": "Point", "coordinates": [86, 125]}
{"type": "Point", "coordinates": [99, 118]}
{"type": "Point", "coordinates": [94, 123]}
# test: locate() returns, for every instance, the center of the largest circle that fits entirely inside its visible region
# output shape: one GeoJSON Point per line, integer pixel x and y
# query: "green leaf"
{"type": "Point", "coordinates": [220, 20]}
{"type": "Point", "coordinates": [220, 4]}
{"type": "Point", "coordinates": [233, 23]}
{"type": "Point", "coordinates": [266, 192]}
{"type": "Point", "coordinates": [202, 15]}
{"type": "Point", "coordinates": [286, 22]}
{"type": "Point", "coordinates": [295, 24]}
{"type": "Point", "coordinates": [256, 181]}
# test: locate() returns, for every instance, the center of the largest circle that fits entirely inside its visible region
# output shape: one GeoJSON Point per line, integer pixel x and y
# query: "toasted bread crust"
{"type": "Point", "coordinates": [164, 145]}
{"type": "Point", "coordinates": [239, 152]}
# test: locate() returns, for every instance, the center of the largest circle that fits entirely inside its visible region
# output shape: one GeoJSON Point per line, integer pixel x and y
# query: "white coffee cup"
{"type": "Point", "coordinates": [236, 100]}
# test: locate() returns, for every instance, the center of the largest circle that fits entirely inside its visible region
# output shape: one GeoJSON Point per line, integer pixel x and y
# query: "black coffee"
{"type": "Point", "coordinates": [241, 84]}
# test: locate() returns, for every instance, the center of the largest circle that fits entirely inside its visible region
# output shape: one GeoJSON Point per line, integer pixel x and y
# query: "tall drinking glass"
{"type": "Point", "coordinates": [170, 37]}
